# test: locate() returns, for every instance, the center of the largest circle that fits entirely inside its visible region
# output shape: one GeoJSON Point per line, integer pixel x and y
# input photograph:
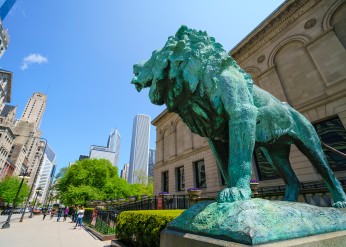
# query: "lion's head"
{"type": "Point", "coordinates": [187, 59]}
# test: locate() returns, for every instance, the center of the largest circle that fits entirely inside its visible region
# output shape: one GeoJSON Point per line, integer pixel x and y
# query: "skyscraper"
{"type": "Point", "coordinates": [113, 144]}
{"type": "Point", "coordinates": [125, 172]}
{"type": "Point", "coordinates": [5, 7]}
{"type": "Point", "coordinates": [34, 109]}
{"type": "Point", "coordinates": [139, 156]}
{"type": "Point", "coordinates": [99, 152]}
{"type": "Point", "coordinates": [46, 172]}
{"type": "Point", "coordinates": [152, 153]}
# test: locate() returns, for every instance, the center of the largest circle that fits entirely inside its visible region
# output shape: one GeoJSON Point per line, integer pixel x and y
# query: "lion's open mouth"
{"type": "Point", "coordinates": [139, 86]}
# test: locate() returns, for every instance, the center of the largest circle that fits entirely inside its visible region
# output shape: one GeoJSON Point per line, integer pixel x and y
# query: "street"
{"type": "Point", "coordinates": [36, 232]}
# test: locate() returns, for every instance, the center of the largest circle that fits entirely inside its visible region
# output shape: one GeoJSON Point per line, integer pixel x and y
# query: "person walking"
{"type": "Point", "coordinates": [44, 213]}
{"type": "Point", "coordinates": [59, 214]}
{"type": "Point", "coordinates": [66, 213]}
{"type": "Point", "coordinates": [80, 215]}
{"type": "Point", "coordinates": [74, 214]}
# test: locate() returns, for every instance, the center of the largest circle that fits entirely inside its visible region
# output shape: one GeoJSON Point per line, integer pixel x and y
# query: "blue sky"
{"type": "Point", "coordinates": [81, 52]}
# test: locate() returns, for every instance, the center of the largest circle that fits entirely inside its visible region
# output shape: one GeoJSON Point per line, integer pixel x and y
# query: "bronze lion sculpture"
{"type": "Point", "coordinates": [196, 78]}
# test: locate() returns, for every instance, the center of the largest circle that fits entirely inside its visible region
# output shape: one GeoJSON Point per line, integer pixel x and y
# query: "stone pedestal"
{"type": "Point", "coordinates": [170, 238]}
{"type": "Point", "coordinates": [258, 221]}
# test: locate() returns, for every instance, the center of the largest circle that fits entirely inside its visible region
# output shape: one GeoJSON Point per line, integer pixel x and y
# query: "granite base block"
{"type": "Point", "coordinates": [170, 238]}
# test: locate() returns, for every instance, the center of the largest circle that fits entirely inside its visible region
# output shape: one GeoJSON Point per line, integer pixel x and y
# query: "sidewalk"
{"type": "Point", "coordinates": [36, 232]}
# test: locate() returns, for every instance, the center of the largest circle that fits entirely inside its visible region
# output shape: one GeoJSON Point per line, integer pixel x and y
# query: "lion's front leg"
{"type": "Point", "coordinates": [242, 129]}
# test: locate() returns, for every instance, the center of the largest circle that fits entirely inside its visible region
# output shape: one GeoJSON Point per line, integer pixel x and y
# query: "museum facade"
{"type": "Point", "coordinates": [298, 55]}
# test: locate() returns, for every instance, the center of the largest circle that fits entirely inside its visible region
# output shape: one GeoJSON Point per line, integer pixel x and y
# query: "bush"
{"type": "Point", "coordinates": [142, 228]}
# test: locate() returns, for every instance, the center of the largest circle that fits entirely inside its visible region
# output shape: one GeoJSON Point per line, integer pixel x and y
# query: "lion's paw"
{"type": "Point", "coordinates": [233, 194]}
{"type": "Point", "coordinates": [339, 205]}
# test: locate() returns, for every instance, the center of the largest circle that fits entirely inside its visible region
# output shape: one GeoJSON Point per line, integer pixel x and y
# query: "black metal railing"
{"type": "Point", "coordinates": [318, 186]}
{"type": "Point", "coordinates": [102, 220]}
{"type": "Point", "coordinates": [155, 202]}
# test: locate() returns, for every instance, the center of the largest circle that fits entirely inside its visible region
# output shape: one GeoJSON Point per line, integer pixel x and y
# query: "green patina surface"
{"type": "Point", "coordinates": [258, 221]}
{"type": "Point", "coordinates": [196, 78]}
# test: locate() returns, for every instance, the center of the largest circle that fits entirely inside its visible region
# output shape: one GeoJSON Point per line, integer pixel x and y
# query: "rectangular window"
{"type": "Point", "coordinates": [332, 133]}
{"type": "Point", "coordinates": [200, 178]}
{"type": "Point", "coordinates": [165, 181]}
{"type": "Point", "coordinates": [180, 178]}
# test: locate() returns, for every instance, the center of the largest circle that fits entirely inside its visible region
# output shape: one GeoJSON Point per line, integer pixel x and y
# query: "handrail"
{"type": "Point", "coordinates": [333, 149]}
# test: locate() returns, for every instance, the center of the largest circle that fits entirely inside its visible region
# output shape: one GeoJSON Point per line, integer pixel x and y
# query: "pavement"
{"type": "Point", "coordinates": [36, 232]}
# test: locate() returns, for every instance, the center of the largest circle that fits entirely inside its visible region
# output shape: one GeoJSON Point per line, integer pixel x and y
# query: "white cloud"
{"type": "Point", "coordinates": [33, 58]}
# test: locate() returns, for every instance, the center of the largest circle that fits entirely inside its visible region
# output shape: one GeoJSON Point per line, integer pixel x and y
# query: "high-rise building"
{"type": "Point", "coordinates": [45, 173]}
{"type": "Point", "coordinates": [111, 152]}
{"type": "Point", "coordinates": [5, 7]}
{"type": "Point", "coordinates": [99, 152]}
{"type": "Point", "coordinates": [114, 145]}
{"type": "Point", "coordinates": [34, 109]}
{"type": "Point", "coordinates": [152, 153]}
{"type": "Point", "coordinates": [83, 157]}
{"type": "Point", "coordinates": [139, 156]}
{"type": "Point", "coordinates": [125, 172]}
{"type": "Point", "coordinates": [5, 86]}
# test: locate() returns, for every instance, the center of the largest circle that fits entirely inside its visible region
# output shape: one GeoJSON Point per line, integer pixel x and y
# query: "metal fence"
{"type": "Point", "coordinates": [155, 202]}
{"type": "Point", "coordinates": [318, 186]}
{"type": "Point", "coordinates": [103, 221]}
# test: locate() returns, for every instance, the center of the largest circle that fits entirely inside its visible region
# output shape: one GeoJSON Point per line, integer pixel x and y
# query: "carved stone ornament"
{"type": "Point", "coordinates": [310, 23]}
{"type": "Point", "coordinates": [261, 59]}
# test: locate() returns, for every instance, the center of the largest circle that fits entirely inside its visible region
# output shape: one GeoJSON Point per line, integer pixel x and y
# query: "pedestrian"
{"type": "Point", "coordinates": [80, 215]}
{"type": "Point", "coordinates": [59, 214]}
{"type": "Point", "coordinates": [94, 216]}
{"type": "Point", "coordinates": [74, 214]}
{"type": "Point", "coordinates": [44, 213]}
{"type": "Point", "coordinates": [52, 212]}
{"type": "Point", "coordinates": [66, 213]}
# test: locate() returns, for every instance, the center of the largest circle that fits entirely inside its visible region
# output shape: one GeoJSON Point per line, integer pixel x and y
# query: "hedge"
{"type": "Point", "coordinates": [142, 228]}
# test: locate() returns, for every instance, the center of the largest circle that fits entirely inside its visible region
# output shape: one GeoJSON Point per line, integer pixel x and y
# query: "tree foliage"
{"type": "Point", "coordinates": [95, 179]}
{"type": "Point", "coordinates": [9, 187]}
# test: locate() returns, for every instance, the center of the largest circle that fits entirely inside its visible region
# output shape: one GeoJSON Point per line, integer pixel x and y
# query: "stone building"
{"type": "Point", "coordinates": [298, 55]}
{"type": "Point", "coordinates": [5, 84]}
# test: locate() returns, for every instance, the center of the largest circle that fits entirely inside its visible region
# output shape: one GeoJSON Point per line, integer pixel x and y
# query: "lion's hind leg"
{"type": "Point", "coordinates": [312, 149]}
{"type": "Point", "coordinates": [278, 156]}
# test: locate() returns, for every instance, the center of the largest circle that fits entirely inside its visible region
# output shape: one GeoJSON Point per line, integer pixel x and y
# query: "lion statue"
{"type": "Point", "coordinates": [197, 79]}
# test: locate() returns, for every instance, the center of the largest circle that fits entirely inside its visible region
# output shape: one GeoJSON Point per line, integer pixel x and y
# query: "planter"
{"type": "Point", "coordinates": [194, 193]}
{"type": "Point", "coordinates": [254, 188]}
{"type": "Point", "coordinates": [132, 199]}
{"type": "Point", "coordinates": [164, 194]}
{"type": "Point", "coordinates": [144, 197]}
{"type": "Point", "coordinates": [121, 200]}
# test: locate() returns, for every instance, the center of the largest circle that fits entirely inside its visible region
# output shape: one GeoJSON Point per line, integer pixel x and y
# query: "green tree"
{"type": "Point", "coordinates": [9, 187]}
{"type": "Point", "coordinates": [95, 179]}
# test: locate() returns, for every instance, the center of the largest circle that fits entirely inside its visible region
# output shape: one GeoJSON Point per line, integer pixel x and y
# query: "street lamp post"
{"type": "Point", "coordinates": [35, 178]}
{"type": "Point", "coordinates": [7, 223]}
{"type": "Point", "coordinates": [38, 190]}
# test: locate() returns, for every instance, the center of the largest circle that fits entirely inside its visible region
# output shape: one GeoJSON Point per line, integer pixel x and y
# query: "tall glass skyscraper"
{"type": "Point", "coordinates": [113, 145]}
{"type": "Point", "coordinates": [47, 170]}
{"type": "Point", "coordinates": [139, 156]}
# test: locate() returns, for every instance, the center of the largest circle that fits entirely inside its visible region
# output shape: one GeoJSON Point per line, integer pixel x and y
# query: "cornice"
{"type": "Point", "coordinates": [319, 101]}
{"type": "Point", "coordinates": [160, 117]}
{"type": "Point", "coordinates": [274, 24]}
{"type": "Point", "coordinates": [160, 164]}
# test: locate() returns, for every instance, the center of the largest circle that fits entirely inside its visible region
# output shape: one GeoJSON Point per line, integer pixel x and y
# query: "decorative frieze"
{"type": "Point", "coordinates": [276, 25]}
